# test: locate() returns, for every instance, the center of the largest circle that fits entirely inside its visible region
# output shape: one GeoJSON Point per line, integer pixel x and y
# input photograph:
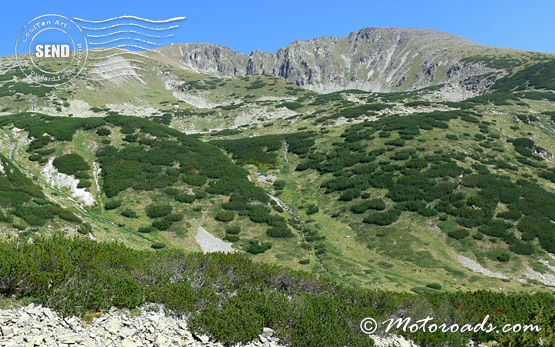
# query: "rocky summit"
{"type": "Point", "coordinates": [372, 59]}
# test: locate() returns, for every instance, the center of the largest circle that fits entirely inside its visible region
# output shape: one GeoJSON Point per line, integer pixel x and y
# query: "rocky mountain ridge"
{"type": "Point", "coordinates": [371, 59]}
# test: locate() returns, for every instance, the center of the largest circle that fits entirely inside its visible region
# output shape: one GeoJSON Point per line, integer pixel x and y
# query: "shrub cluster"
{"type": "Point", "coordinates": [231, 298]}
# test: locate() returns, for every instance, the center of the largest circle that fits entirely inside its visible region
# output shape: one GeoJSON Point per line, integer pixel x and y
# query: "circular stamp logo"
{"type": "Point", "coordinates": [51, 50]}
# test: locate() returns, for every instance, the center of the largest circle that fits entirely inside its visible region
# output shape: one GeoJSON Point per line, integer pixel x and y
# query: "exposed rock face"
{"type": "Point", "coordinates": [372, 59]}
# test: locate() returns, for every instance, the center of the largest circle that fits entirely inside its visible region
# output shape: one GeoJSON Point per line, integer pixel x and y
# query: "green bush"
{"type": "Point", "coordinates": [34, 215]}
{"type": "Point", "coordinates": [146, 230]}
{"type": "Point", "coordinates": [511, 215]}
{"type": "Point", "coordinates": [225, 216]}
{"type": "Point", "coordinates": [478, 236]}
{"type": "Point", "coordinates": [64, 214]}
{"type": "Point", "coordinates": [162, 224]}
{"type": "Point", "coordinates": [35, 157]}
{"type": "Point", "coordinates": [175, 217]}
{"type": "Point", "coordinates": [223, 293]}
{"type": "Point", "coordinates": [70, 164]}
{"type": "Point", "coordinates": [112, 204]}
{"type": "Point", "coordinates": [82, 175]}
{"type": "Point", "coordinates": [186, 198]}
{"type": "Point", "coordinates": [503, 257]}
{"type": "Point", "coordinates": [195, 179]}
{"type": "Point", "coordinates": [233, 229]}
{"type": "Point", "coordinates": [129, 213]}
{"type": "Point", "coordinates": [435, 286]}
{"type": "Point", "coordinates": [349, 194]}
{"type": "Point", "coordinates": [281, 231]}
{"type": "Point", "coordinates": [84, 229]}
{"type": "Point", "coordinates": [396, 143]}
{"type": "Point", "coordinates": [6, 218]}
{"type": "Point", "coordinates": [279, 184]}
{"type": "Point", "coordinates": [257, 247]}
{"type": "Point", "coordinates": [427, 212]}
{"type": "Point", "coordinates": [371, 204]}
{"type": "Point", "coordinates": [84, 184]}
{"type": "Point", "coordinates": [495, 228]}
{"type": "Point", "coordinates": [231, 238]}
{"type": "Point", "coordinates": [312, 209]}
{"type": "Point", "coordinates": [158, 210]}
{"type": "Point", "coordinates": [522, 248]}
{"type": "Point", "coordinates": [458, 234]}
{"type": "Point", "coordinates": [382, 218]}
{"type": "Point", "coordinates": [103, 131]}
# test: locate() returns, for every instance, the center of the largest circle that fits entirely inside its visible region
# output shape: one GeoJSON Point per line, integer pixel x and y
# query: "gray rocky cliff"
{"type": "Point", "coordinates": [372, 59]}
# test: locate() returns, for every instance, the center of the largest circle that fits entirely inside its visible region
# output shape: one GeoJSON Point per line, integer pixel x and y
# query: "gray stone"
{"type": "Point", "coordinates": [204, 338]}
{"type": "Point", "coordinates": [88, 342]}
{"type": "Point", "coordinates": [48, 313]}
{"type": "Point", "coordinates": [161, 325]}
{"type": "Point", "coordinates": [23, 317]}
{"type": "Point", "coordinates": [127, 342]}
{"type": "Point", "coordinates": [38, 340]}
{"type": "Point", "coordinates": [125, 332]}
{"type": "Point", "coordinates": [6, 331]}
{"type": "Point", "coordinates": [68, 339]}
{"type": "Point", "coordinates": [267, 331]}
{"type": "Point", "coordinates": [161, 339]}
{"type": "Point", "coordinates": [113, 326]}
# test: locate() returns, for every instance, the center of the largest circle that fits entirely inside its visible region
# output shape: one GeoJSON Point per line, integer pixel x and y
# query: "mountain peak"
{"type": "Point", "coordinates": [371, 59]}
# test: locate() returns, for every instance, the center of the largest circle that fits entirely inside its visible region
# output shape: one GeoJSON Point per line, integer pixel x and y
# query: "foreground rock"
{"type": "Point", "coordinates": [150, 326]}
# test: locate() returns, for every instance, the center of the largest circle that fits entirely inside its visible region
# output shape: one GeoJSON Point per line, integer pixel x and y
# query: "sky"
{"type": "Point", "coordinates": [246, 25]}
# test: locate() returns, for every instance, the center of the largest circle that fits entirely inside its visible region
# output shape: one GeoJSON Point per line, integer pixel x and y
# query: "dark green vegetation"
{"type": "Point", "coordinates": [10, 86]}
{"type": "Point", "coordinates": [23, 203]}
{"type": "Point", "coordinates": [263, 151]}
{"type": "Point", "coordinates": [461, 185]}
{"type": "Point", "coordinates": [70, 164]}
{"type": "Point", "coordinates": [232, 299]}
{"type": "Point", "coordinates": [539, 76]}
{"type": "Point", "coordinates": [152, 158]}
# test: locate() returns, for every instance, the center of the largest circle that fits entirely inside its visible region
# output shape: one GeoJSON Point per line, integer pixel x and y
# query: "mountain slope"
{"type": "Point", "coordinates": [367, 188]}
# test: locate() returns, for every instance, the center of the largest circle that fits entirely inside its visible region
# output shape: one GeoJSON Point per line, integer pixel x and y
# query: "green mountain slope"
{"type": "Point", "coordinates": [137, 178]}
{"type": "Point", "coordinates": [366, 188]}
